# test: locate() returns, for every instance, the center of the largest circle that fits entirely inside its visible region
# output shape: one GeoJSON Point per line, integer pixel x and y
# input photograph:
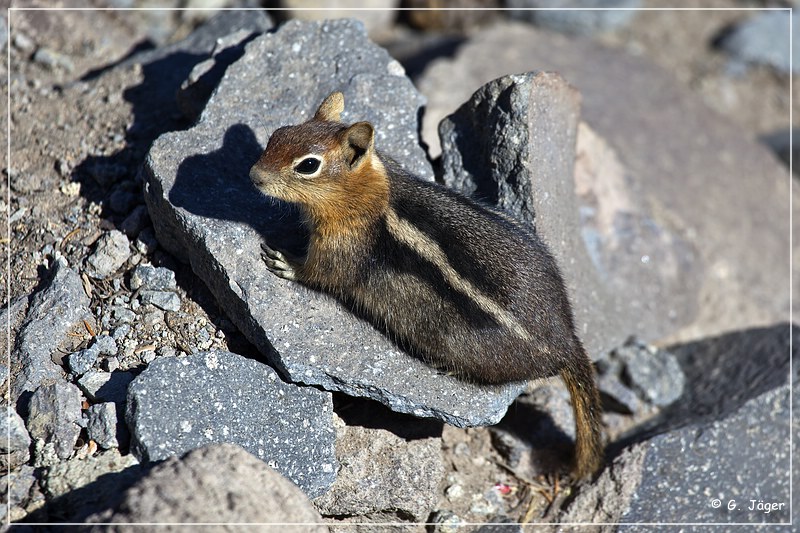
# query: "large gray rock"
{"type": "Point", "coordinates": [165, 68]}
{"type": "Point", "coordinates": [83, 485]}
{"type": "Point", "coordinates": [178, 404]}
{"type": "Point", "coordinates": [54, 412]}
{"type": "Point", "coordinates": [637, 374]}
{"type": "Point", "coordinates": [714, 473]}
{"type": "Point", "coordinates": [215, 485]}
{"type": "Point", "coordinates": [513, 145]}
{"type": "Point", "coordinates": [233, 31]}
{"type": "Point", "coordinates": [724, 443]}
{"type": "Point", "coordinates": [726, 371]}
{"type": "Point", "coordinates": [206, 211]}
{"type": "Point", "coordinates": [58, 306]}
{"type": "Point", "coordinates": [679, 198]}
{"type": "Point", "coordinates": [605, 499]}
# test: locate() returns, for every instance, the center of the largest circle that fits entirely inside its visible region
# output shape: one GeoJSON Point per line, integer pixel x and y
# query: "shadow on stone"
{"type": "Point", "coordinates": [216, 185]}
{"type": "Point", "coordinates": [528, 426]}
{"type": "Point", "coordinates": [374, 415]}
{"type": "Point", "coordinates": [103, 493]}
{"type": "Point", "coordinates": [722, 374]}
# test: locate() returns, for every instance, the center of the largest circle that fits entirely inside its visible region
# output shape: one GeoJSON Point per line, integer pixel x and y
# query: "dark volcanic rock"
{"type": "Point", "coordinates": [165, 68]}
{"type": "Point", "coordinates": [606, 498]}
{"type": "Point", "coordinates": [58, 306]}
{"type": "Point", "coordinates": [637, 374]}
{"type": "Point", "coordinates": [205, 210]}
{"type": "Point", "coordinates": [696, 473]}
{"type": "Point", "coordinates": [721, 449]}
{"type": "Point", "coordinates": [217, 484]}
{"type": "Point", "coordinates": [513, 145]}
{"type": "Point", "coordinates": [178, 404]}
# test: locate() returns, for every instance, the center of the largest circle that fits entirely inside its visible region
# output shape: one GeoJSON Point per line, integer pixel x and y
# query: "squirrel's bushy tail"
{"type": "Point", "coordinates": [579, 379]}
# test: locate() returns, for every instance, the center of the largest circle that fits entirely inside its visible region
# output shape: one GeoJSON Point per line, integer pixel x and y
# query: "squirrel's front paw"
{"type": "Point", "coordinates": [277, 263]}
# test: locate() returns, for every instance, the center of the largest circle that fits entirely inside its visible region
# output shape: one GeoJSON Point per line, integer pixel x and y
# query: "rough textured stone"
{"type": "Point", "coordinates": [280, 80]}
{"type": "Point", "coordinates": [384, 472]}
{"type": "Point", "coordinates": [84, 485]}
{"type": "Point", "coordinates": [636, 376]}
{"type": "Point", "coordinates": [105, 345]}
{"type": "Point", "coordinates": [15, 489]}
{"type": "Point", "coordinates": [103, 427]}
{"type": "Point", "coordinates": [135, 222]}
{"type": "Point", "coordinates": [725, 371]}
{"type": "Point", "coordinates": [166, 300]}
{"type": "Point", "coordinates": [216, 484]}
{"type": "Point", "coordinates": [741, 458]}
{"type": "Point", "coordinates": [176, 405]}
{"type": "Point", "coordinates": [14, 441]}
{"type": "Point", "coordinates": [729, 441]}
{"type": "Point", "coordinates": [82, 361]}
{"type": "Point", "coordinates": [537, 435]}
{"type": "Point", "coordinates": [111, 252]}
{"type": "Point", "coordinates": [166, 67]}
{"type": "Point", "coordinates": [54, 310]}
{"type": "Point", "coordinates": [765, 38]}
{"type": "Point", "coordinates": [153, 278]}
{"type": "Point", "coordinates": [12, 314]}
{"type": "Point", "coordinates": [204, 77]}
{"type": "Point", "coordinates": [54, 412]}
{"type": "Point", "coordinates": [605, 499]}
{"type": "Point", "coordinates": [655, 126]}
{"type": "Point", "coordinates": [575, 21]}
{"type": "Point", "coordinates": [513, 145]}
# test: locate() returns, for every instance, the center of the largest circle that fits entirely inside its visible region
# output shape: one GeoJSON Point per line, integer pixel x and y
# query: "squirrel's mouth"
{"type": "Point", "coordinates": [262, 180]}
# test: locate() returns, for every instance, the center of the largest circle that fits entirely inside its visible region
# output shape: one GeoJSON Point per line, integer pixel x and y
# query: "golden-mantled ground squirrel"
{"type": "Point", "coordinates": [466, 288]}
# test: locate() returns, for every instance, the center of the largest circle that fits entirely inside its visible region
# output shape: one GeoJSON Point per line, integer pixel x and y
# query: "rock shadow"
{"type": "Point", "coordinates": [722, 374]}
{"type": "Point", "coordinates": [551, 449]}
{"type": "Point", "coordinates": [105, 492]}
{"type": "Point", "coordinates": [217, 185]}
{"type": "Point", "coordinates": [370, 414]}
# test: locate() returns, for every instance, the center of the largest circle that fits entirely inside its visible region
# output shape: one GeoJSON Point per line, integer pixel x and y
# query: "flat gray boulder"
{"type": "Point", "coordinates": [206, 211]}
{"type": "Point", "coordinates": [179, 404]}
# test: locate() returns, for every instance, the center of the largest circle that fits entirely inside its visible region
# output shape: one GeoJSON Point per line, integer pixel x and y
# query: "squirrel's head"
{"type": "Point", "coordinates": [321, 164]}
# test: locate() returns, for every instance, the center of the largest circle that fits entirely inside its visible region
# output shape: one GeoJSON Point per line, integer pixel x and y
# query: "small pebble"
{"type": "Point", "coordinates": [82, 361]}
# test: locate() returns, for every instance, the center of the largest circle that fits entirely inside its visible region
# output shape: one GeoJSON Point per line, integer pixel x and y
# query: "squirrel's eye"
{"type": "Point", "coordinates": [309, 165]}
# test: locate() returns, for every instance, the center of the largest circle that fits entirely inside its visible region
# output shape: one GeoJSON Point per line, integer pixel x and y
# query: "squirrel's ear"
{"type": "Point", "coordinates": [330, 108]}
{"type": "Point", "coordinates": [357, 143]}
